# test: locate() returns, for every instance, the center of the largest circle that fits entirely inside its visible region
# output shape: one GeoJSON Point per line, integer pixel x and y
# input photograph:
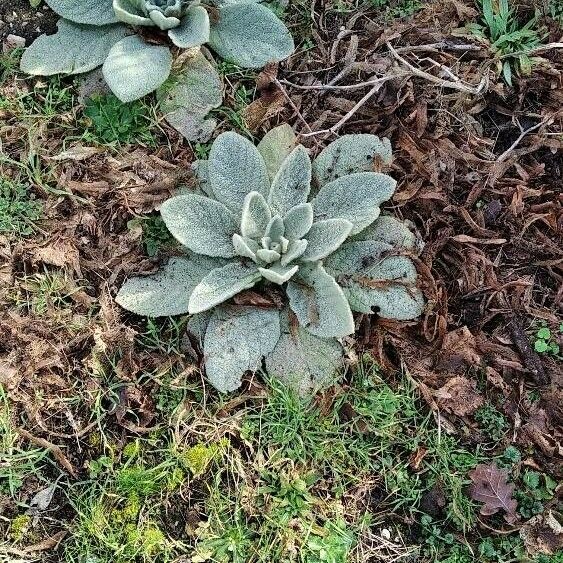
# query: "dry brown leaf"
{"type": "Point", "coordinates": [135, 410]}
{"type": "Point", "coordinates": [59, 253]}
{"type": "Point", "coordinates": [53, 448]}
{"type": "Point", "coordinates": [265, 107]}
{"type": "Point", "coordinates": [416, 457]}
{"type": "Point", "coordinates": [459, 351]}
{"type": "Point", "coordinates": [256, 299]}
{"type": "Point", "coordinates": [459, 396]}
{"type": "Point", "coordinates": [77, 152]}
{"type": "Point", "coordinates": [46, 544]}
{"type": "Point", "coordinates": [537, 430]}
{"type": "Point", "coordinates": [491, 487]}
{"type": "Point", "coordinates": [542, 534]}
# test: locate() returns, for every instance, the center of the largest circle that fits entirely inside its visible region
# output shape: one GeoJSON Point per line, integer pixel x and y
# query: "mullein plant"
{"type": "Point", "coordinates": [133, 41]}
{"type": "Point", "coordinates": [267, 217]}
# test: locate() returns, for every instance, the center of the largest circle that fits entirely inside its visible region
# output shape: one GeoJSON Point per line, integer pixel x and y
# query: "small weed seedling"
{"type": "Point", "coordinates": [492, 422]}
{"type": "Point", "coordinates": [9, 63]}
{"type": "Point", "coordinates": [544, 342]}
{"type": "Point", "coordinates": [44, 292]}
{"type": "Point", "coordinates": [16, 463]}
{"type": "Point", "coordinates": [396, 8]}
{"type": "Point", "coordinates": [241, 84]}
{"type": "Point", "coordinates": [509, 458]}
{"type": "Point", "coordinates": [501, 549]}
{"type": "Point", "coordinates": [163, 335]}
{"type": "Point", "coordinates": [201, 151]}
{"type": "Point", "coordinates": [331, 545]}
{"type": "Point", "coordinates": [156, 236]}
{"type": "Point", "coordinates": [19, 211]}
{"type": "Point", "coordinates": [555, 8]}
{"type": "Point", "coordinates": [115, 122]}
{"type": "Point", "coordinates": [511, 41]}
{"type": "Point", "coordinates": [536, 489]}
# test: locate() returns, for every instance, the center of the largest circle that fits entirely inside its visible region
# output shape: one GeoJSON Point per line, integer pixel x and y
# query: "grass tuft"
{"type": "Point", "coordinates": [19, 210]}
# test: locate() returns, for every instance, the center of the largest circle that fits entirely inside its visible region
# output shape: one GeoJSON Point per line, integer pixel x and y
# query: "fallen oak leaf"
{"type": "Point", "coordinates": [491, 487]}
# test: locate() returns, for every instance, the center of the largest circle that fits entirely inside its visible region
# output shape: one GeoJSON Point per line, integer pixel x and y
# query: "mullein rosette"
{"type": "Point", "coordinates": [113, 34]}
{"type": "Point", "coordinates": [267, 215]}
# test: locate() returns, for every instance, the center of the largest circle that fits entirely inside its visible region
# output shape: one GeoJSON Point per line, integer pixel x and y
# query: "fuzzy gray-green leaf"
{"type": "Point", "coordinates": [350, 154]}
{"type": "Point", "coordinates": [357, 257]}
{"type": "Point", "coordinates": [295, 249]}
{"type": "Point", "coordinates": [275, 146]}
{"type": "Point", "coordinates": [196, 327]}
{"type": "Point", "coordinates": [268, 256]}
{"type": "Point", "coordinates": [236, 168]}
{"type": "Point", "coordinates": [319, 302]}
{"type": "Point", "coordinates": [324, 238]}
{"type": "Point", "coordinates": [134, 68]}
{"type": "Point", "coordinates": [167, 292]}
{"type": "Point", "coordinates": [355, 197]}
{"type": "Point", "coordinates": [222, 284]}
{"type": "Point", "coordinates": [193, 93]}
{"type": "Point", "coordinates": [245, 246]}
{"type": "Point", "coordinates": [250, 35]}
{"type": "Point", "coordinates": [221, 3]}
{"type": "Point", "coordinates": [391, 231]}
{"type": "Point", "coordinates": [374, 280]}
{"type": "Point", "coordinates": [202, 224]}
{"type": "Point", "coordinates": [298, 221]}
{"type": "Point", "coordinates": [275, 228]}
{"type": "Point", "coordinates": [128, 11]}
{"type": "Point", "coordinates": [302, 360]}
{"type": "Point", "coordinates": [256, 215]}
{"type": "Point", "coordinates": [193, 30]}
{"type": "Point", "coordinates": [203, 187]}
{"type": "Point", "coordinates": [278, 274]}
{"type": "Point", "coordinates": [163, 22]}
{"type": "Point", "coordinates": [292, 183]}
{"type": "Point", "coordinates": [74, 49]}
{"type": "Point", "coordinates": [91, 12]}
{"type": "Point", "coordinates": [236, 340]}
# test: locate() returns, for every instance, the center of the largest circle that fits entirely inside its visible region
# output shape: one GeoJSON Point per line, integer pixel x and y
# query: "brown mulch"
{"type": "Point", "coordinates": [481, 177]}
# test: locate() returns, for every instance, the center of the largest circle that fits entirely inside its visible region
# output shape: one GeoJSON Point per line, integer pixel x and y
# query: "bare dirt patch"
{"type": "Point", "coordinates": [18, 17]}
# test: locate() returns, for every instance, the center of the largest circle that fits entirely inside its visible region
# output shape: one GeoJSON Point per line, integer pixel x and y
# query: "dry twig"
{"type": "Point", "coordinates": [53, 448]}
{"type": "Point", "coordinates": [523, 133]}
{"type": "Point", "coordinates": [348, 116]}
{"type": "Point", "coordinates": [456, 84]}
{"type": "Point", "coordinates": [291, 103]}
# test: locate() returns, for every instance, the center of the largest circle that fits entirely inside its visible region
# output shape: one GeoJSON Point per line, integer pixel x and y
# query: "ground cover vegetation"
{"type": "Point", "coordinates": [439, 440]}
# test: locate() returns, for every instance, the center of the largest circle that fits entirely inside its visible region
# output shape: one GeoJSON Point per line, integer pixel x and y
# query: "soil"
{"type": "Point", "coordinates": [18, 17]}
